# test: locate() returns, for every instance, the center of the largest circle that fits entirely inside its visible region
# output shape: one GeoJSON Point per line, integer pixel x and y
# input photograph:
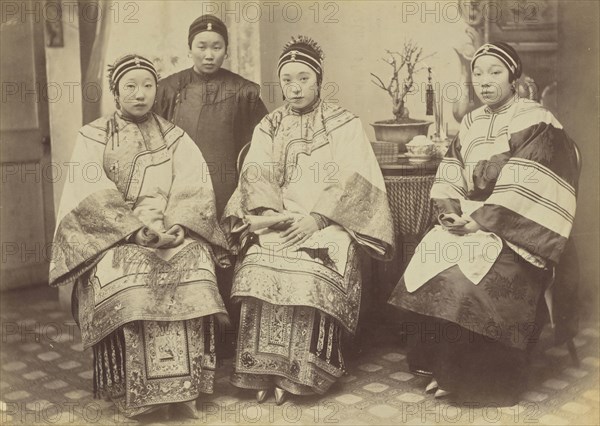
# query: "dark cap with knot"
{"type": "Point", "coordinates": [207, 23]}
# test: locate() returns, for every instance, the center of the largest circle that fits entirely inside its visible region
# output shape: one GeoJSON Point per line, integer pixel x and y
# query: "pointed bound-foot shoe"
{"type": "Point", "coordinates": [279, 396]}
{"type": "Point", "coordinates": [432, 386]}
{"type": "Point", "coordinates": [261, 395]}
{"type": "Point", "coordinates": [441, 393]}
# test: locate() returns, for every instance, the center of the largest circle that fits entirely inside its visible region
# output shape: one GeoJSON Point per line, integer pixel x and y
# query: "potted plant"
{"type": "Point", "coordinates": [401, 129]}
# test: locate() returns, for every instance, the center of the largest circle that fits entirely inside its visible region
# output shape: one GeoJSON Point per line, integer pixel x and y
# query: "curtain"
{"type": "Point", "coordinates": [244, 48]}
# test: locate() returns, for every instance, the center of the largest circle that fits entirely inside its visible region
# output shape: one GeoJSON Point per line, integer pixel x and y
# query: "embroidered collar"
{"type": "Point", "coordinates": [132, 119]}
{"type": "Point", "coordinates": [504, 107]}
{"type": "Point", "coordinates": [307, 109]}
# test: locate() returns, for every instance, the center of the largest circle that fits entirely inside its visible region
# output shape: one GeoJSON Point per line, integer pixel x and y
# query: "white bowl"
{"type": "Point", "coordinates": [420, 146]}
{"type": "Point", "coordinates": [419, 158]}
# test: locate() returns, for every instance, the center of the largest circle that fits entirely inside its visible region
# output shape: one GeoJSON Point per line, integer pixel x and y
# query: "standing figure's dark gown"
{"type": "Point", "coordinates": [219, 112]}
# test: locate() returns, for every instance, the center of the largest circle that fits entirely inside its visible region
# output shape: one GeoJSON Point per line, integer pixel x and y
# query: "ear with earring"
{"type": "Point", "coordinates": [514, 83]}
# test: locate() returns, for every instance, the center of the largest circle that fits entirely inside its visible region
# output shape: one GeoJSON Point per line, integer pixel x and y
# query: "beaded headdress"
{"type": "Point", "coordinates": [305, 50]}
{"type": "Point", "coordinates": [127, 63]}
{"type": "Point", "coordinates": [503, 51]}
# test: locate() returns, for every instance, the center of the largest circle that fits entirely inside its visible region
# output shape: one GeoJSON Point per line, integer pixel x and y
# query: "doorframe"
{"type": "Point", "coordinates": [38, 153]}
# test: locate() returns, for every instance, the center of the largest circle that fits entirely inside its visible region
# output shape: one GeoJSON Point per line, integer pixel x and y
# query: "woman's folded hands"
{"type": "Point", "coordinates": [299, 230]}
{"type": "Point", "coordinates": [148, 237]}
{"type": "Point", "coordinates": [458, 225]}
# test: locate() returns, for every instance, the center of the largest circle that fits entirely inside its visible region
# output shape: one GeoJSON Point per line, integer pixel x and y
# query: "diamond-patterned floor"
{"type": "Point", "coordinates": [45, 378]}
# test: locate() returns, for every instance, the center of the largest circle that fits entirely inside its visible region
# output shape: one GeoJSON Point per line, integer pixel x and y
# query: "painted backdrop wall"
{"type": "Point", "coordinates": [354, 36]}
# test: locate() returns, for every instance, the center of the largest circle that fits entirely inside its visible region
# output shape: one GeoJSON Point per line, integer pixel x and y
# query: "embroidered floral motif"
{"type": "Point", "coordinates": [248, 360]}
{"type": "Point", "coordinates": [295, 368]}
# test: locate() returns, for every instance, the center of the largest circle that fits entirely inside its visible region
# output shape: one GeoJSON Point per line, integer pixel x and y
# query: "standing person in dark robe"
{"type": "Point", "coordinates": [216, 107]}
{"type": "Point", "coordinates": [219, 110]}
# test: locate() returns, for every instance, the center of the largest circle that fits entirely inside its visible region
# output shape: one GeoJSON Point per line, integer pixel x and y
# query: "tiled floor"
{"type": "Point", "coordinates": [45, 378]}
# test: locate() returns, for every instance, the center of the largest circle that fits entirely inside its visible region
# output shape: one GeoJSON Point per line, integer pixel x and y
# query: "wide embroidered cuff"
{"type": "Point", "coordinates": [322, 221]}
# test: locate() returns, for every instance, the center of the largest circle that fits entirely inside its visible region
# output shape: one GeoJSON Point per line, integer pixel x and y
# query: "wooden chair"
{"type": "Point", "coordinates": [549, 292]}
{"type": "Point", "coordinates": [242, 156]}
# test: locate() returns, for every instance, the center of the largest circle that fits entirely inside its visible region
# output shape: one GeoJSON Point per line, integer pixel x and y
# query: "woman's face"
{"type": "Point", "coordinates": [299, 84]}
{"type": "Point", "coordinates": [137, 90]}
{"type": "Point", "coordinates": [208, 51]}
{"type": "Point", "coordinates": [491, 81]}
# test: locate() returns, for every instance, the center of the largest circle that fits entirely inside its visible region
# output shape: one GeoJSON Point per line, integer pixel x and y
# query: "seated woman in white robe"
{"type": "Point", "coordinates": [139, 238]}
{"type": "Point", "coordinates": [506, 193]}
{"type": "Point", "coordinates": [311, 173]}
